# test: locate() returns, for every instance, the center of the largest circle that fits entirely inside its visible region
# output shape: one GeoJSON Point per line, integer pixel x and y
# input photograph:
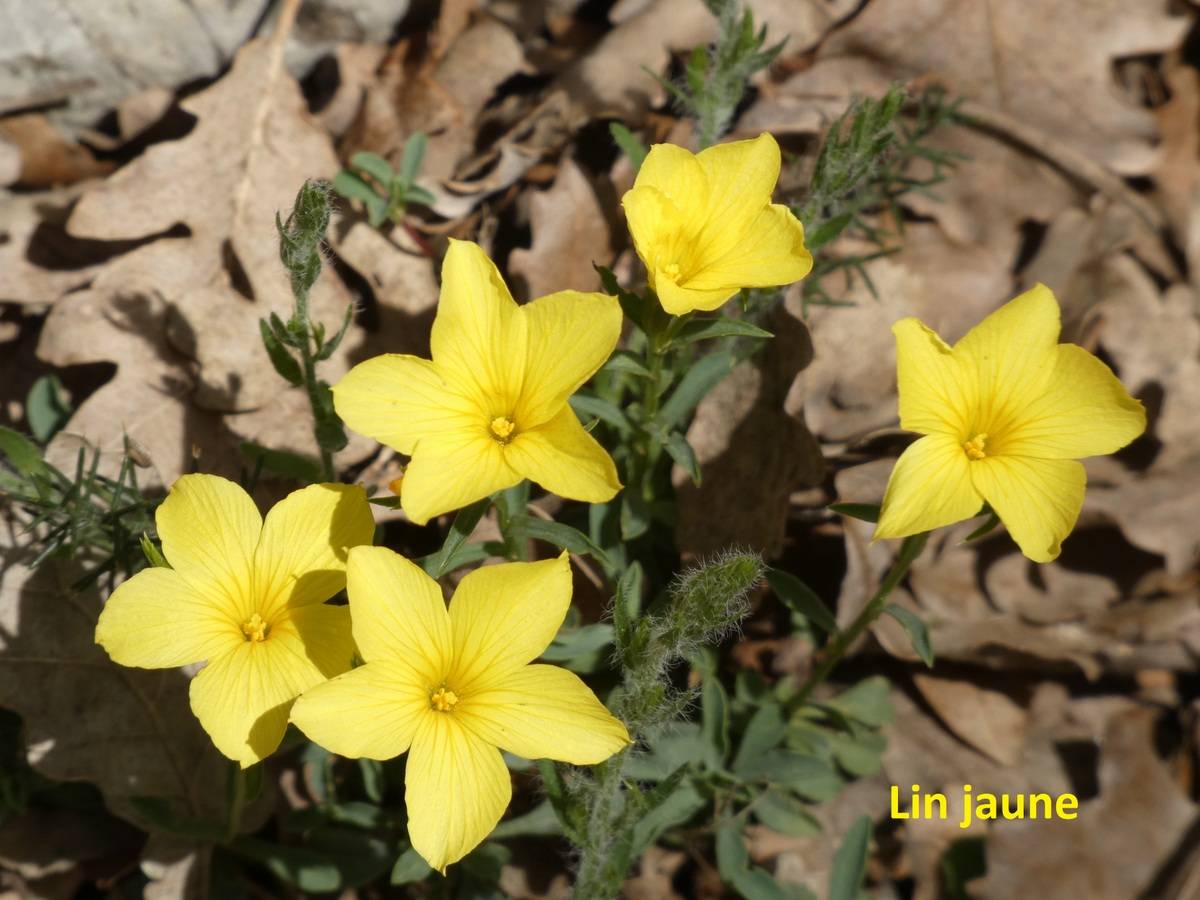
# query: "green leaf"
{"type": "Point", "coordinates": [785, 814]}
{"type": "Point", "coordinates": [732, 856]}
{"type": "Point", "coordinates": [281, 360]}
{"type": "Point", "coordinates": [417, 194]}
{"type": "Point", "coordinates": [283, 462]}
{"type": "Point", "coordinates": [374, 781]}
{"type": "Point", "coordinates": [359, 857]}
{"type": "Point", "coordinates": [807, 775]}
{"type": "Point", "coordinates": [414, 155]}
{"type": "Point", "coordinates": [631, 145]}
{"type": "Point", "coordinates": [764, 732]}
{"type": "Point", "coordinates": [22, 453]}
{"type": "Point", "coordinates": [635, 306]}
{"type": "Point", "coordinates": [850, 862]}
{"type": "Point", "coordinates": [579, 642]}
{"type": "Point", "coordinates": [587, 406]}
{"type": "Point", "coordinates": [624, 361]}
{"type": "Point", "coordinates": [672, 802]}
{"type": "Point", "coordinates": [46, 410]}
{"type": "Point", "coordinates": [460, 529]}
{"type": "Point", "coordinates": [635, 515]}
{"type": "Point", "coordinates": [538, 822]}
{"type": "Point", "coordinates": [918, 634]}
{"type": "Point", "coordinates": [297, 866]}
{"type": "Point", "coordinates": [829, 230]}
{"type": "Point", "coordinates": [329, 431]}
{"type": "Point", "coordinates": [702, 377]}
{"type": "Point", "coordinates": [714, 721]}
{"type": "Point", "coordinates": [374, 165]}
{"type": "Point", "coordinates": [327, 350]}
{"type": "Point", "coordinates": [410, 867]}
{"type": "Point", "coordinates": [757, 883]}
{"type": "Point", "coordinates": [801, 599]}
{"type": "Point", "coordinates": [866, 702]}
{"type": "Point", "coordinates": [562, 536]}
{"type": "Point", "coordinates": [158, 812]}
{"type": "Point", "coordinates": [354, 187]}
{"type": "Point", "coordinates": [153, 555]}
{"type": "Point", "coordinates": [859, 754]}
{"type": "Point", "coordinates": [986, 528]}
{"type": "Point", "coordinates": [706, 329]}
{"type": "Point", "coordinates": [571, 814]}
{"type": "Point", "coordinates": [867, 512]}
{"type": "Point", "coordinates": [681, 451]}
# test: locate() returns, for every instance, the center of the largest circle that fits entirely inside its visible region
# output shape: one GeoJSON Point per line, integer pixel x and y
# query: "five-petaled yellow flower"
{"type": "Point", "coordinates": [705, 226]}
{"type": "Point", "coordinates": [247, 596]}
{"type": "Point", "coordinates": [1005, 413]}
{"type": "Point", "coordinates": [455, 687]}
{"type": "Point", "coordinates": [490, 409]}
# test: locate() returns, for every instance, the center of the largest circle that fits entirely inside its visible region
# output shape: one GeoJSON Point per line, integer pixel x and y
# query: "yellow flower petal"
{"type": "Point", "coordinates": [929, 487]}
{"type": "Point", "coordinates": [937, 394]}
{"type": "Point", "coordinates": [478, 337]}
{"type": "Point", "coordinates": [456, 789]}
{"type": "Point", "coordinates": [677, 174]}
{"type": "Point", "coordinates": [398, 400]}
{"type": "Point", "coordinates": [156, 620]}
{"type": "Point", "coordinates": [570, 335]}
{"type": "Point", "coordinates": [680, 299]}
{"type": "Point", "coordinates": [544, 712]}
{"type": "Point", "coordinates": [1085, 411]}
{"type": "Point", "coordinates": [321, 633]}
{"type": "Point", "coordinates": [451, 470]}
{"type": "Point", "coordinates": [741, 177]}
{"type": "Point", "coordinates": [398, 611]}
{"type": "Point", "coordinates": [1038, 500]}
{"type": "Point", "coordinates": [503, 616]}
{"type": "Point", "coordinates": [209, 527]}
{"type": "Point", "coordinates": [657, 226]}
{"type": "Point", "coordinates": [1012, 356]}
{"type": "Point", "coordinates": [565, 460]}
{"type": "Point", "coordinates": [301, 555]}
{"type": "Point", "coordinates": [774, 255]}
{"type": "Point", "coordinates": [372, 711]}
{"type": "Point", "coordinates": [242, 698]}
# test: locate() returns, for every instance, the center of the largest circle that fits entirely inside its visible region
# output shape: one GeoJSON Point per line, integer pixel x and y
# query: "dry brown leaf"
{"type": "Point", "coordinates": [39, 260]}
{"type": "Point", "coordinates": [570, 233]}
{"type": "Point", "coordinates": [48, 157]}
{"type": "Point", "coordinates": [988, 720]}
{"type": "Point", "coordinates": [129, 731]}
{"type": "Point", "coordinates": [754, 449]}
{"type": "Point", "coordinates": [1030, 67]}
{"type": "Point", "coordinates": [1120, 840]}
{"type": "Point", "coordinates": [254, 144]}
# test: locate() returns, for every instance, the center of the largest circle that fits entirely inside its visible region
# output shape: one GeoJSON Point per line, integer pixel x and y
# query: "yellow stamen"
{"type": "Point", "coordinates": [395, 484]}
{"type": "Point", "coordinates": [672, 271]}
{"type": "Point", "coordinates": [443, 699]}
{"type": "Point", "coordinates": [975, 446]}
{"type": "Point", "coordinates": [255, 629]}
{"type": "Point", "coordinates": [502, 428]}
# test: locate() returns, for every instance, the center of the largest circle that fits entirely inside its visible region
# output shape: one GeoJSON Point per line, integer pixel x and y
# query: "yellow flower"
{"type": "Point", "coordinates": [491, 408]}
{"type": "Point", "coordinates": [705, 226]}
{"type": "Point", "coordinates": [452, 687]}
{"type": "Point", "coordinates": [1006, 413]}
{"type": "Point", "coordinates": [247, 596]}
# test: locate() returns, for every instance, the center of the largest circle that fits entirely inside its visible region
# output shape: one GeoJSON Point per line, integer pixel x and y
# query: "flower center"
{"type": "Point", "coordinates": [443, 699]}
{"type": "Point", "coordinates": [502, 428]}
{"type": "Point", "coordinates": [975, 446]}
{"type": "Point", "coordinates": [672, 271]}
{"type": "Point", "coordinates": [255, 628]}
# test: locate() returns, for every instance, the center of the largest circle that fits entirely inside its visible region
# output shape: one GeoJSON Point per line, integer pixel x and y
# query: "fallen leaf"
{"type": "Point", "coordinates": [570, 234]}
{"type": "Point", "coordinates": [988, 720]}
{"type": "Point", "coordinates": [48, 158]}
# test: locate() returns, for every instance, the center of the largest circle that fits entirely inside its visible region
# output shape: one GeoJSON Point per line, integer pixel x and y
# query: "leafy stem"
{"type": "Point", "coordinates": [910, 549]}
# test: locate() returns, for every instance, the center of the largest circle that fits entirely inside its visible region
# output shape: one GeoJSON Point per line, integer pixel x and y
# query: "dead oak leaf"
{"type": "Point", "coordinates": [1031, 67]}
{"type": "Point", "coordinates": [570, 233]}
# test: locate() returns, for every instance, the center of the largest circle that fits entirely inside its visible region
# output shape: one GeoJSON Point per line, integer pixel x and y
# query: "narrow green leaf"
{"type": "Point", "coordinates": [918, 634]}
{"type": "Point", "coordinates": [714, 721]}
{"type": "Point", "coordinates": [374, 781]}
{"type": "Point", "coordinates": [414, 155]}
{"type": "Point", "coordinates": [706, 329]}
{"type": "Point", "coordinates": [283, 462]}
{"type": "Point", "coordinates": [624, 361]}
{"type": "Point", "coordinates": [732, 856]}
{"type": "Point", "coordinates": [635, 515]}
{"type": "Point", "coordinates": [410, 867]}
{"type": "Point", "coordinates": [681, 451]}
{"type": "Point", "coordinates": [709, 371]}
{"type": "Point", "coordinates": [581, 641]}
{"type": "Point", "coordinates": [153, 555]}
{"type": "Point", "coordinates": [631, 145]}
{"type": "Point", "coordinates": [374, 165]}
{"type": "Point", "coordinates": [563, 536]}
{"type": "Point", "coordinates": [787, 815]}
{"type": "Point", "coordinates": [765, 730]}
{"type": "Point", "coordinates": [46, 410]}
{"type": "Point", "coordinates": [588, 406]}
{"type": "Point", "coordinates": [327, 350]}
{"type": "Point", "coordinates": [460, 529]}
{"type": "Point", "coordinates": [354, 187]}
{"type": "Point", "coordinates": [988, 526]}
{"type": "Point", "coordinates": [801, 599]}
{"type": "Point", "coordinates": [417, 194]}
{"type": "Point", "coordinates": [281, 360]}
{"type": "Point", "coordinates": [850, 862]}
{"type": "Point", "coordinates": [867, 512]}
{"type": "Point", "coordinates": [540, 821]}
{"type": "Point", "coordinates": [22, 453]}
{"type": "Point", "coordinates": [297, 866]}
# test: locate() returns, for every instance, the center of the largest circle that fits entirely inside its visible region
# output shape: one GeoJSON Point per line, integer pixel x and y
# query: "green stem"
{"type": "Point", "coordinates": [845, 639]}
{"type": "Point", "coordinates": [310, 381]}
{"type": "Point", "coordinates": [237, 803]}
